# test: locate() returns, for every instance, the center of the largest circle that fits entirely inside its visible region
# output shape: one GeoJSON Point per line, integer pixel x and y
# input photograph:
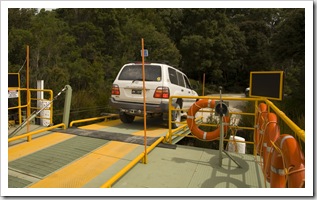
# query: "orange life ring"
{"type": "Point", "coordinates": [261, 118]}
{"type": "Point", "coordinates": [204, 103]}
{"type": "Point", "coordinates": [287, 164]}
{"type": "Point", "coordinates": [271, 133]}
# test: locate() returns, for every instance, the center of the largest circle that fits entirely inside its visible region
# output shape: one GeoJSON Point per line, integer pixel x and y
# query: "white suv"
{"type": "Point", "coordinates": [162, 81]}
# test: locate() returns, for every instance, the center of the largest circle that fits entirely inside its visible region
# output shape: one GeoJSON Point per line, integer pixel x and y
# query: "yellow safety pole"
{"type": "Point", "coordinates": [144, 103]}
{"type": "Point", "coordinates": [169, 138]}
{"type": "Point", "coordinates": [256, 103]}
{"type": "Point", "coordinates": [28, 108]}
{"type": "Point", "coordinates": [19, 103]}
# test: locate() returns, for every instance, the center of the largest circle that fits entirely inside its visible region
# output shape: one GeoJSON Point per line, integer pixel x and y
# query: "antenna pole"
{"type": "Point", "coordinates": [222, 111]}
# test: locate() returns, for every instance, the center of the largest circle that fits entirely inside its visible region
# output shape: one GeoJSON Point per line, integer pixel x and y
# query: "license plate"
{"type": "Point", "coordinates": [136, 91]}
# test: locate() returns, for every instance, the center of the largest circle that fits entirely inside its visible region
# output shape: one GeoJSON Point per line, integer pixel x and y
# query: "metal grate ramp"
{"type": "Point", "coordinates": [48, 160]}
{"type": "Point", "coordinates": [16, 182]}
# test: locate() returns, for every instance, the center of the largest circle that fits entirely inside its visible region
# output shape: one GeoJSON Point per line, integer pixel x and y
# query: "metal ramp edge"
{"type": "Point", "coordinates": [111, 136]}
{"type": "Point", "coordinates": [176, 139]}
{"type": "Point", "coordinates": [184, 131]}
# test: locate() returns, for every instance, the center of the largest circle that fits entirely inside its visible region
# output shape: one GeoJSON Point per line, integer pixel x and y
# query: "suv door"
{"type": "Point", "coordinates": [189, 92]}
{"type": "Point", "coordinates": [181, 87]}
{"type": "Point", "coordinates": [177, 82]}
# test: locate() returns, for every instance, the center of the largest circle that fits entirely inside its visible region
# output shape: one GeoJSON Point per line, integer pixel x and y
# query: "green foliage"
{"type": "Point", "coordinates": [85, 48]}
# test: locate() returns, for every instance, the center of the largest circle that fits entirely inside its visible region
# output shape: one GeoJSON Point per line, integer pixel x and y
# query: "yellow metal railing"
{"type": "Point", "coordinates": [171, 108]}
{"type": "Point", "coordinates": [297, 131]}
{"type": "Point", "coordinates": [30, 134]}
{"type": "Point", "coordinates": [32, 101]}
{"type": "Point", "coordinates": [92, 119]}
{"type": "Point", "coordinates": [141, 156]}
{"type": "Point", "coordinates": [173, 132]}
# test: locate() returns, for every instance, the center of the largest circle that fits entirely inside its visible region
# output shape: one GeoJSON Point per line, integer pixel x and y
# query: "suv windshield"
{"type": "Point", "coordinates": [134, 72]}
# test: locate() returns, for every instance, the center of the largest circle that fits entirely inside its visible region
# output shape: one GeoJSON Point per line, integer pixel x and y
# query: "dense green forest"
{"type": "Point", "coordinates": [85, 48]}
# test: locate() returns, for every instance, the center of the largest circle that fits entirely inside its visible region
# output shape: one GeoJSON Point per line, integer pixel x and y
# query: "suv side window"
{"type": "Point", "coordinates": [180, 79]}
{"type": "Point", "coordinates": [173, 76]}
{"type": "Point", "coordinates": [176, 77]}
{"type": "Point", "coordinates": [187, 83]}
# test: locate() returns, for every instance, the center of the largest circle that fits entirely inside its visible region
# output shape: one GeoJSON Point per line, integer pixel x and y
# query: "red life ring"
{"type": "Point", "coordinates": [271, 133]}
{"type": "Point", "coordinates": [203, 103]}
{"type": "Point", "coordinates": [287, 164]}
{"type": "Point", "coordinates": [261, 118]}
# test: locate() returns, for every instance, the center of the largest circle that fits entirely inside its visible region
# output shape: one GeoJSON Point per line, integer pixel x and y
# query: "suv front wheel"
{"type": "Point", "coordinates": [125, 118]}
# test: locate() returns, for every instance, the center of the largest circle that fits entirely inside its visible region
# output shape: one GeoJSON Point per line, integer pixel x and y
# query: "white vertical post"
{"type": "Point", "coordinates": [40, 95]}
{"type": "Point", "coordinates": [40, 86]}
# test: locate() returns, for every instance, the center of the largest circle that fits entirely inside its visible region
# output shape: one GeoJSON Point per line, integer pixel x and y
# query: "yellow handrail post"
{"type": "Point", "coordinates": [169, 134]}
{"type": "Point", "coordinates": [144, 103]}
{"type": "Point", "coordinates": [255, 111]}
{"type": "Point", "coordinates": [19, 105]}
{"type": "Point", "coordinates": [28, 110]}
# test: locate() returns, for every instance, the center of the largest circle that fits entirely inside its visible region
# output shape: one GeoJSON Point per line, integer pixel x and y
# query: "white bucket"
{"type": "Point", "coordinates": [234, 146]}
{"type": "Point", "coordinates": [46, 113]}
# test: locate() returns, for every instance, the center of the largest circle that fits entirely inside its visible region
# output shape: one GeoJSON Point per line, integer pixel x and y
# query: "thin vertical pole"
{"type": "Point", "coordinates": [203, 93]}
{"type": "Point", "coordinates": [221, 132]}
{"type": "Point", "coordinates": [144, 104]}
{"type": "Point", "coordinates": [28, 108]}
{"type": "Point", "coordinates": [254, 131]}
{"type": "Point", "coordinates": [19, 100]}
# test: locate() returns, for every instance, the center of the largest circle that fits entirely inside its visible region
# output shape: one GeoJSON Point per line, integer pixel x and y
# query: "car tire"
{"type": "Point", "coordinates": [125, 118]}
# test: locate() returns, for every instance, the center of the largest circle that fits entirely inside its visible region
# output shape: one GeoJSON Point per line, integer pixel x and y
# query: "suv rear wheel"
{"type": "Point", "coordinates": [125, 118]}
